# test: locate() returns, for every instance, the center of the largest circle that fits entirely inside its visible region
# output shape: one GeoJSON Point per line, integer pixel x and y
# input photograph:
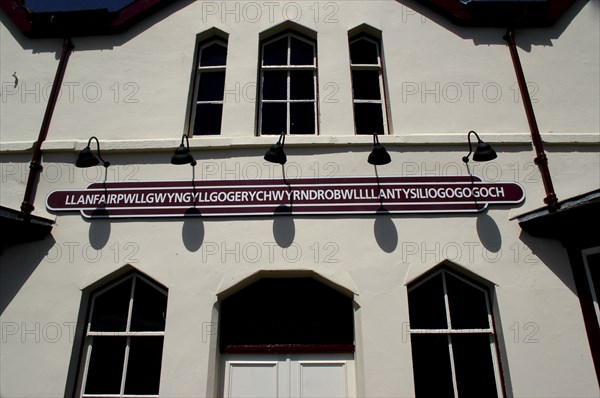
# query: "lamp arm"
{"type": "Point", "coordinates": [104, 162]}
{"type": "Point", "coordinates": [466, 158]}
{"type": "Point", "coordinates": [282, 139]}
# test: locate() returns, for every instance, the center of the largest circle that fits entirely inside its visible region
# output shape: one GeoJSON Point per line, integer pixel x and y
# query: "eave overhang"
{"type": "Point", "coordinates": [19, 229]}
{"type": "Point", "coordinates": [501, 13]}
{"type": "Point", "coordinates": [574, 223]}
{"type": "Point", "coordinates": [63, 24]}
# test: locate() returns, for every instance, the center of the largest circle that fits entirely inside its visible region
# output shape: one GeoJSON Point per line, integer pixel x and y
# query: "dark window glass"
{"type": "Point", "coordinates": [274, 118]}
{"type": "Point", "coordinates": [363, 52]}
{"type": "Point", "coordinates": [593, 262]}
{"type": "Point", "coordinates": [467, 304]}
{"type": "Point", "coordinates": [304, 312]}
{"type": "Point", "coordinates": [301, 52]}
{"type": "Point", "coordinates": [275, 85]}
{"type": "Point", "coordinates": [211, 86]}
{"type": "Point", "coordinates": [143, 367]}
{"type": "Point", "coordinates": [473, 365]}
{"type": "Point", "coordinates": [431, 365]}
{"type": "Point", "coordinates": [302, 118]}
{"type": "Point", "coordinates": [106, 365]}
{"type": "Point", "coordinates": [427, 309]}
{"type": "Point", "coordinates": [365, 84]}
{"type": "Point", "coordinates": [111, 308]}
{"type": "Point", "coordinates": [275, 53]}
{"type": "Point", "coordinates": [368, 118]}
{"type": "Point", "coordinates": [302, 85]}
{"type": "Point", "coordinates": [208, 119]}
{"type": "Point", "coordinates": [149, 308]}
{"type": "Point", "coordinates": [213, 55]}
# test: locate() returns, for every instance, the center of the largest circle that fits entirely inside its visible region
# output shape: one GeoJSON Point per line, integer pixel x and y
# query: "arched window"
{"type": "Point", "coordinates": [209, 87]}
{"type": "Point", "coordinates": [288, 85]}
{"type": "Point", "coordinates": [287, 315]}
{"type": "Point", "coordinates": [124, 339]}
{"type": "Point", "coordinates": [452, 337]}
{"type": "Point", "coordinates": [368, 89]}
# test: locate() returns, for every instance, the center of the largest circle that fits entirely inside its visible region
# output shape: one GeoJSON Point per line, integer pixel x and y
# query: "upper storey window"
{"type": "Point", "coordinates": [367, 85]}
{"type": "Point", "coordinates": [288, 85]}
{"type": "Point", "coordinates": [209, 88]}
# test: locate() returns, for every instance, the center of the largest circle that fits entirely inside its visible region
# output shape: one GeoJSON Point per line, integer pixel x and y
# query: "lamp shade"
{"type": "Point", "coordinates": [182, 155]}
{"type": "Point", "coordinates": [86, 158]}
{"type": "Point", "coordinates": [275, 154]}
{"type": "Point", "coordinates": [484, 152]}
{"type": "Point", "coordinates": [379, 156]}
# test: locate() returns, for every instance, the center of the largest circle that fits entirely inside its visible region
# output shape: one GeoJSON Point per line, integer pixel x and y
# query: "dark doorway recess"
{"type": "Point", "coordinates": [286, 315]}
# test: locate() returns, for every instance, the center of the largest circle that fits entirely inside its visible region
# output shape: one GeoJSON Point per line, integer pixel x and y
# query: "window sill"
{"type": "Point", "coordinates": [228, 142]}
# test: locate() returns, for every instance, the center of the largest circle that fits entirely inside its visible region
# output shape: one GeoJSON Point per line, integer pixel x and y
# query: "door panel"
{"type": "Point", "coordinates": [252, 379]}
{"type": "Point", "coordinates": [286, 376]}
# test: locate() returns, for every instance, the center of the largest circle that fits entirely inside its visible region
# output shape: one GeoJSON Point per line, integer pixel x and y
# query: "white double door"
{"type": "Point", "coordinates": [283, 376]}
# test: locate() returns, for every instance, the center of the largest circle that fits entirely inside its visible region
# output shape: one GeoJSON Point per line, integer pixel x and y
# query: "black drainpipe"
{"type": "Point", "coordinates": [35, 167]}
{"type": "Point", "coordinates": [541, 160]}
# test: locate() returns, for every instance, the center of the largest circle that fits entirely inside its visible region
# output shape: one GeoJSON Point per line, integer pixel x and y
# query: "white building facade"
{"type": "Point", "coordinates": [370, 302]}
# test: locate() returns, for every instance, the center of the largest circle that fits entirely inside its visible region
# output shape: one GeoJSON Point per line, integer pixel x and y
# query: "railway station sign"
{"type": "Point", "coordinates": [302, 196]}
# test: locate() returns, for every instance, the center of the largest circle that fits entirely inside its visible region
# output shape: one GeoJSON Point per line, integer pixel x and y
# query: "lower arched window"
{"type": "Point", "coordinates": [452, 337]}
{"type": "Point", "coordinates": [124, 336]}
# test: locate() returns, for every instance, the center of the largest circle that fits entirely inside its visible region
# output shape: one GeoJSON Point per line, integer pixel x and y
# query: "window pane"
{"type": "Point", "coordinates": [302, 85]}
{"type": "Point", "coordinates": [302, 118]}
{"type": "Point", "coordinates": [363, 52]}
{"type": "Point", "coordinates": [426, 305]}
{"type": "Point", "coordinates": [149, 308]}
{"type": "Point", "coordinates": [111, 308]}
{"type": "Point", "coordinates": [213, 55]}
{"type": "Point", "coordinates": [143, 367]}
{"type": "Point", "coordinates": [365, 84]}
{"type": "Point", "coordinates": [275, 53]}
{"type": "Point", "coordinates": [302, 53]}
{"type": "Point", "coordinates": [106, 365]}
{"type": "Point", "coordinates": [593, 262]}
{"type": "Point", "coordinates": [274, 118]}
{"type": "Point", "coordinates": [368, 118]}
{"type": "Point", "coordinates": [252, 316]}
{"type": "Point", "coordinates": [211, 86]}
{"type": "Point", "coordinates": [467, 304]}
{"type": "Point", "coordinates": [208, 119]}
{"type": "Point", "coordinates": [431, 365]}
{"type": "Point", "coordinates": [473, 365]}
{"type": "Point", "coordinates": [275, 85]}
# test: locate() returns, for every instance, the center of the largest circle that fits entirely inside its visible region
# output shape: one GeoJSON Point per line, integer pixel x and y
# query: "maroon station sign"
{"type": "Point", "coordinates": [349, 195]}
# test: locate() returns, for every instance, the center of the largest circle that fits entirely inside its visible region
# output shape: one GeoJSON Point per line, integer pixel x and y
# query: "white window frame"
{"type": "Point", "coordinates": [199, 71]}
{"type": "Point", "coordinates": [288, 68]}
{"type": "Point", "coordinates": [89, 338]}
{"type": "Point", "coordinates": [450, 330]}
{"type": "Point", "coordinates": [373, 67]}
{"type": "Point", "coordinates": [593, 292]}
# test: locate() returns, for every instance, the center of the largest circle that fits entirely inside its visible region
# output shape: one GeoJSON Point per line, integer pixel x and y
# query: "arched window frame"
{"type": "Point", "coordinates": [204, 71]}
{"type": "Point", "coordinates": [377, 67]}
{"type": "Point", "coordinates": [90, 336]}
{"type": "Point", "coordinates": [450, 331]}
{"type": "Point", "coordinates": [289, 34]}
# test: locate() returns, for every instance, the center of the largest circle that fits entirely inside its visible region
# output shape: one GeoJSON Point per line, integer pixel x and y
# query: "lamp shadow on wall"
{"type": "Point", "coordinates": [192, 232]}
{"type": "Point", "coordinates": [489, 233]}
{"type": "Point", "coordinates": [385, 230]}
{"type": "Point", "coordinates": [99, 232]}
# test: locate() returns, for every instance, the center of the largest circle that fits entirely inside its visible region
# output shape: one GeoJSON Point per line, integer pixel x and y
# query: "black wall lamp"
{"type": "Point", "coordinates": [87, 159]}
{"type": "Point", "coordinates": [182, 154]}
{"type": "Point", "coordinates": [275, 154]}
{"type": "Point", "coordinates": [483, 151]}
{"type": "Point", "coordinates": [378, 156]}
